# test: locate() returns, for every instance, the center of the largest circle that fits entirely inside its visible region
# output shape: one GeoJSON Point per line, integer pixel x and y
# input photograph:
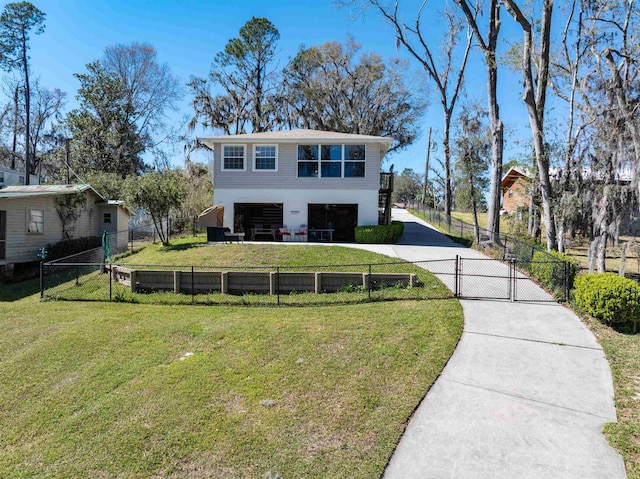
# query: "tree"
{"type": "Point", "coordinates": [16, 21]}
{"type": "Point", "coordinates": [488, 46]}
{"type": "Point", "coordinates": [149, 86]}
{"type": "Point", "coordinates": [197, 180]}
{"type": "Point", "coordinates": [535, 95]}
{"type": "Point", "coordinates": [328, 88]}
{"type": "Point", "coordinates": [104, 137]}
{"type": "Point", "coordinates": [46, 112]}
{"type": "Point", "coordinates": [472, 151]}
{"type": "Point", "coordinates": [159, 193]}
{"type": "Point", "coordinates": [447, 80]}
{"type": "Point", "coordinates": [244, 71]}
{"type": "Point", "coordinates": [406, 186]}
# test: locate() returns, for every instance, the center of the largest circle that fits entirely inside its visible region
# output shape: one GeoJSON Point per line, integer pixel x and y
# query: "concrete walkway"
{"type": "Point", "coordinates": [525, 394]}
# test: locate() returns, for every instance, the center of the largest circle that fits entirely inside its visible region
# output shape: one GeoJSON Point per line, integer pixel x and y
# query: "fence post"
{"type": "Point", "coordinates": [566, 281]}
{"type": "Point", "coordinates": [278, 283]}
{"type": "Point", "coordinates": [369, 283]}
{"type": "Point", "coordinates": [461, 223]}
{"type": "Point", "coordinates": [111, 282]}
{"type": "Point", "coordinates": [512, 280]}
{"type": "Point", "coordinates": [193, 291]}
{"type": "Point", "coordinates": [77, 275]}
{"type": "Point", "coordinates": [41, 279]}
{"type": "Point", "coordinates": [456, 293]}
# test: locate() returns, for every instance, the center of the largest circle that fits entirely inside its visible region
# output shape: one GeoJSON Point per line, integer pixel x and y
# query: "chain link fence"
{"type": "Point", "coordinates": [526, 260]}
{"type": "Point", "coordinates": [248, 285]}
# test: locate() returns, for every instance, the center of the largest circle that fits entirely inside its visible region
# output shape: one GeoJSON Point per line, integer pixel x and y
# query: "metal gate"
{"type": "Point", "coordinates": [480, 278]}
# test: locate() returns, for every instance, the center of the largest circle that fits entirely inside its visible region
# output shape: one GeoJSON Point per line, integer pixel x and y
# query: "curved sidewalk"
{"type": "Point", "coordinates": [525, 394]}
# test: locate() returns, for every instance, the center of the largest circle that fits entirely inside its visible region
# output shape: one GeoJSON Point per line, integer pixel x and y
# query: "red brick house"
{"type": "Point", "coordinates": [515, 186]}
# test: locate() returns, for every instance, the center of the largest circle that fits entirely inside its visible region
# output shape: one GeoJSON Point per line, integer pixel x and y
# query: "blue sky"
{"type": "Point", "coordinates": [187, 35]}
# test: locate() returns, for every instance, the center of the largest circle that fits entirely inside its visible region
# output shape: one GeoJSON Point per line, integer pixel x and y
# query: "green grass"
{"type": "Point", "coordinates": [100, 390]}
{"type": "Point", "coordinates": [290, 258]}
{"type": "Point", "coordinates": [623, 352]}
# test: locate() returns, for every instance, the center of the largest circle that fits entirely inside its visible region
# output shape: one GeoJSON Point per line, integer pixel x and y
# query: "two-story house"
{"type": "Point", "coordinates": [325, 183]}
{"type": "Point", "coordinates": [9, 177]}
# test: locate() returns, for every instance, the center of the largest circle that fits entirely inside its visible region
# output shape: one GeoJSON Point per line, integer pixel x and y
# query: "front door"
{"type": "Point", "coordinates": [3, 234]}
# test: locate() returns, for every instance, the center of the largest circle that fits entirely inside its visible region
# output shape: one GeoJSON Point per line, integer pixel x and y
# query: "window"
{"type": "Point", "coordinates": [265, 158]}
{"type": "Point", "coordinates": [510, 194]}
{"type": "Point", "coordinates": [331, 161]}
{"type": "Point", "coordinates": [1, 177]}
{"type": "Point", "coordinates": [354, 157]}
{"type": "Point", "coordinates": [308, 161]}
{"type": "Point", "coordinates": [21, 180]}
{"type": "Point", "coordinates": [233, 157]}
{"type": "Point", "coordinates": [335, 161]}
{"type": "Point", "coordinates": [106, 219]}
{"type": "Point", "coordinates": [35, 223]}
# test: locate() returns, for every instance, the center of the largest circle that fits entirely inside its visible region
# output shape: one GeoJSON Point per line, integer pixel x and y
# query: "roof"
{"type": "Point", "coordinates": [297, 136]}
{"type": "Point", "coordinates": [513, 174]}
{"type": "Point", "coordinates": [29, 191]}
{"type": "Point", "coordinates": [20, 191]}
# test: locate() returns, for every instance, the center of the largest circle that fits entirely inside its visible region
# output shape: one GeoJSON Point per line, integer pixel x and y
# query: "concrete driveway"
{"type": "Point", "coordinates": [525, 394]}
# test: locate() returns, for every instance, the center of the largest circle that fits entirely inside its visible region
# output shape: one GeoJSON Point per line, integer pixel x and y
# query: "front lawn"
{"type": "Point", "coordinates": [138, 391]}
{"type": "Point", "coordinates": [623, 352]}
{"type": "Point", "coordinates": [189, 254]}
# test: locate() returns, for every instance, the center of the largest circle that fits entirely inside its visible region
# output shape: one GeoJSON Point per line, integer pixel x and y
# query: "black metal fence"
{"type": "Point", "coordinates": [259, 285]}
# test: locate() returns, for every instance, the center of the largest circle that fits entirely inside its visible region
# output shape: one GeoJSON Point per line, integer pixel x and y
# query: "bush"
{"type": "Point", "coordinates": [608, 297]}
{"type": "Point", "coordinates": [549, 269]}
{"type": "Point", "coordinates": [72, 246]}
{"type": "Point", "coordinates": [379, 233]}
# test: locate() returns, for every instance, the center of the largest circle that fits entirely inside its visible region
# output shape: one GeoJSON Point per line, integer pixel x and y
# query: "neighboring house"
{"type": "Point", "coordinates": [325, 181]}
{"type": "Point", "coordinates": [515, 190]}
{"type": "Point", "coordinates": [29, 220]}
{"type": "Point", "coordinates": [9, 177]}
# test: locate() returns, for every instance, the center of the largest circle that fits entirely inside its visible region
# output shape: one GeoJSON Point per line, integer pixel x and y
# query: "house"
{"type": "Point", "coordinates": [515, 190]}
{"type": "Point", "coordinates": [31, 218]}
{"type": "Point", "coordinates": [9, 177]}
{"type": "Point", "coordinates": [319, 184]}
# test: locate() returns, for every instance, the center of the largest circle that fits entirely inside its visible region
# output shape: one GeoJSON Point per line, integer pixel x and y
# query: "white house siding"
{"type": "Point", "coordinates": [9, 177]}
{"type": "Point", "coordinates": [287, 175]}
{"type": "Point", "coordinates": [295, 202]}
{"type": "Point", "coordinates": [22, 246]}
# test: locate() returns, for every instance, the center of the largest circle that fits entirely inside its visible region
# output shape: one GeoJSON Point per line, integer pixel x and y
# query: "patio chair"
{"type": "Point", "coordinates": [284, 233]}
{"type": "Point", "coordinates": [301, 234]}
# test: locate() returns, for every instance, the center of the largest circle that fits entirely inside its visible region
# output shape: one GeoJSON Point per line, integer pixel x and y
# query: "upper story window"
{"type": "Point", "coordinates": [354, 161]}
{"type": "Point", "coordinates": [308, 161]}
{"type": "Point", "coordinates": [233, 157]}
{"type": "Point", "coordinates": [265, 158]}
{"type": "Point", "coordinates": [21, 180]}
{"type": "Point", "coordinates": [35, 223]}
{"type": "Point", "coordinates": [334, 161]}
{"type": "Point", "coordinates": [510, 193]}
{"type": "Point", "coordinates": [1, 177]}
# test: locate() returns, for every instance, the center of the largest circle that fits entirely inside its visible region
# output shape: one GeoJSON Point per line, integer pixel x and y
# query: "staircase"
{"type": "Point", "coordinates": [384, 198]}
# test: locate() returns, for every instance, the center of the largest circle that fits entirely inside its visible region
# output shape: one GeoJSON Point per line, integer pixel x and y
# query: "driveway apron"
{"type": "Point", "coordinates": [525, 394]}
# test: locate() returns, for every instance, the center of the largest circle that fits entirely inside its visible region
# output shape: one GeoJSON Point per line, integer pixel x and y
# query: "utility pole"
{"type": "Point", "coordinates": [426, 171]}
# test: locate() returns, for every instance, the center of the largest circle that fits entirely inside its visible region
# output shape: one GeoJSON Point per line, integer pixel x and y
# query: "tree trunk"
{"type": "Point", "coordinates": [27, 104]}
{"type": "Point", "coordinates": [447, 161]}
{"type": "Point", "coordinates": [16, 116]}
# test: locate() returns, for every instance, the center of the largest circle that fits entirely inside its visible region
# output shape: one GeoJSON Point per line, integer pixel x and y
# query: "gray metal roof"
{"type": "Point", "coordinates": [19, 191]}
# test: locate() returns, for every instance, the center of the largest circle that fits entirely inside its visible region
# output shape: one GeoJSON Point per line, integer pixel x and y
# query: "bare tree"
{"type": "Point", "coordinates": [447, 79]}
{"type": "Point", "coordinates": [488, 46]}
{"type": "Point", "coordinates": [535, 95]}
{"type": "Point", "coordinates": [16, 21]}
{"type": "Point", "coordinates": [331, 87]}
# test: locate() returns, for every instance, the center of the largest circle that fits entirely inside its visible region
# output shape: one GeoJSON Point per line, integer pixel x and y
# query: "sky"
{"type": "Point", "coordinates": [188, 34]}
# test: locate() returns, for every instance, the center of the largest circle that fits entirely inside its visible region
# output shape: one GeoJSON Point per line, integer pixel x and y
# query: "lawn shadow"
{"type": "Point", "coordinates": [181, 247]}
{"type": "Point", "coordinates": [10, 292]}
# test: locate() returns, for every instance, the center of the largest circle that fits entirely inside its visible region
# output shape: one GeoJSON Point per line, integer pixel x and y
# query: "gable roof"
{"type": "Point", "coordinates": [512, 175]}
{"type": "Point", "coordinates": [21, 191]}
{"type": "Point", "coordinates": [298, 136]}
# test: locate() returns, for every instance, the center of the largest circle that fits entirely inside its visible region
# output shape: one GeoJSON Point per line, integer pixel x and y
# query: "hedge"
{"type": "Point", "coordinates": [549, 269]}
{"type": "Point", "coordinates": [379, 233]}
{"type": "Point", "coordinates": [608, 297]}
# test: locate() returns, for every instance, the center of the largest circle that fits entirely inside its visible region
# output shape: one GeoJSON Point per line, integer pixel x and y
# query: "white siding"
{"type": "Point", "coordinates": [9, 177]}
{"type": "Point", "coordinates": [23, 246]}
{"type": "Point", "coordinates": [295, 202]}
{"type": "Point", "coordinates": [287, 175]}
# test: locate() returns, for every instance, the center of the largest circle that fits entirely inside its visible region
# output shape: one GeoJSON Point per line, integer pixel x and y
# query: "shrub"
{"type": "Point", "coordinates": [72, 246]}
{"type": "Point", "coordinates": [379, 233]}
{"type": "Point", "coordinates": [549, 269]}
{"type": "Point", "coordinates": [608, 297]}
